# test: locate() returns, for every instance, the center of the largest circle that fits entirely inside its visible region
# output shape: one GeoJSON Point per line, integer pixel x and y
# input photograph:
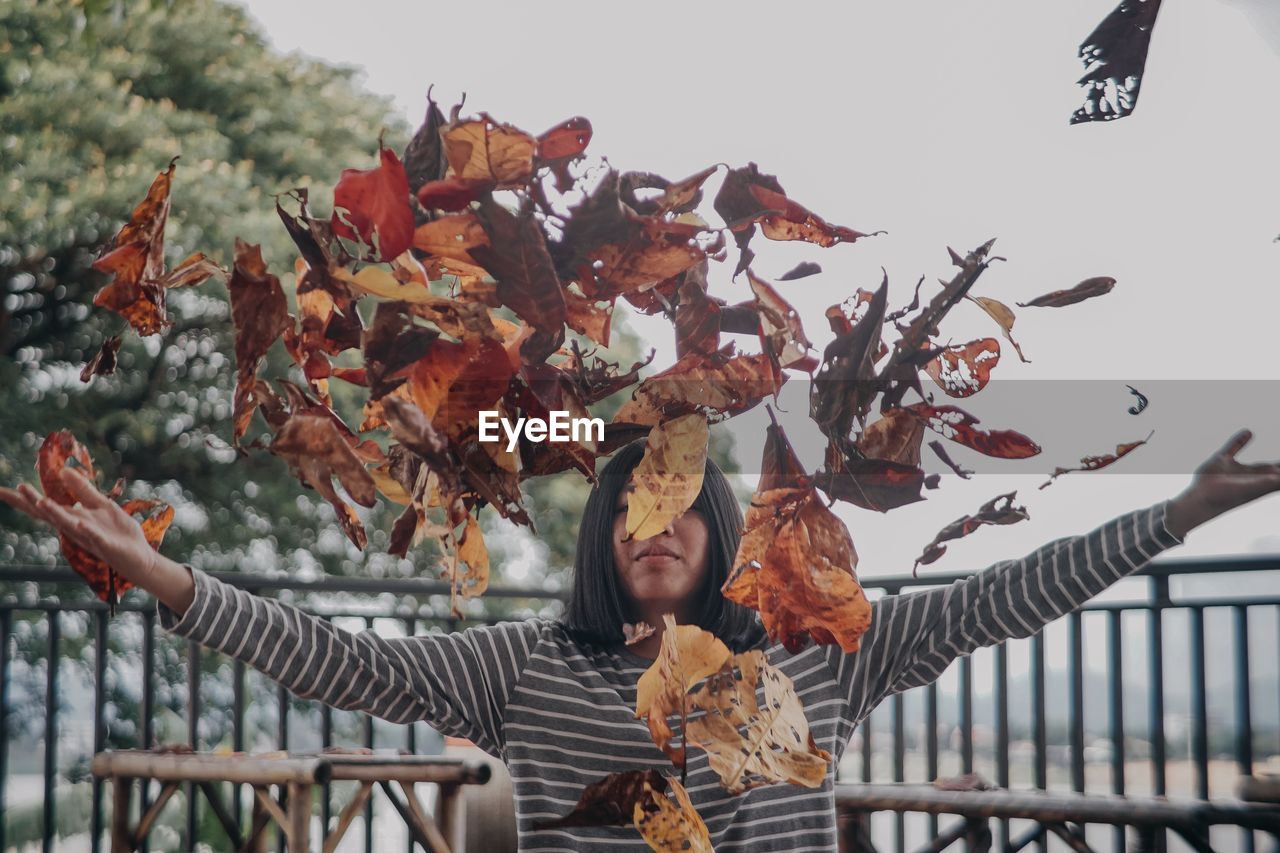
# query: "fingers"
{"type": "Point", "coordinates": [1236, 443]}
{"type": "Point", "coordinates": [83, 488]}
{"type": "Point", "coordinates": [18, 501]}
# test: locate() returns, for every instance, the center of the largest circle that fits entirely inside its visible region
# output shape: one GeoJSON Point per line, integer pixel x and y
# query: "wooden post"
{"type": "Point", "coordinates": [257, 841]}
{"type": "Point", "coordinates": [449, 815]}
{"type": "Point", "coordinates": [121, 832]}
{"type": "Point", "coordinates": [299, 817]}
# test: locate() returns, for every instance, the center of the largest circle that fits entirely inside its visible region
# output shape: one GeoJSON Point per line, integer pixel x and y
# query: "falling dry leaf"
{"type": "Point", "coordinates": [1003, 316]}
{"type": "Point", "coordinates": [1115, 59]}
{"type": "Point", "coordinates": [1086, 289]}
{"type": "Point", "coordinates": [672, 827]}
{"type": "Point", "coordinates": [669, 476]}
{"type": "Point", "coordinates": [964, 369]}
{"type": "Point", "coordinates": [1093, 463]}
{"type": "Point", "coordinates": [612, 801]}
{"type": "Point", "coordinates": [960, 426]}
{"type": "Point", "coordinates": [633, 634]}
{"type": "Point", "coordinates": [372, 206]}
{"type": "Point", "coordinates": [260, 314]}
{"type": "Point", "coordinates": [998, 510]}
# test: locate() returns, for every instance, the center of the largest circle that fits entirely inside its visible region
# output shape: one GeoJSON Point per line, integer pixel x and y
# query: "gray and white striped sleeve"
{"type": "Point", "coordinates": [914, 637]}
{"type": "Point", "coordinates": [457, 682]}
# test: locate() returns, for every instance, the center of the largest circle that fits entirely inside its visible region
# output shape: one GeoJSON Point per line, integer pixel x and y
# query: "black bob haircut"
{"type": "Point", "coordinates": [599, 604]}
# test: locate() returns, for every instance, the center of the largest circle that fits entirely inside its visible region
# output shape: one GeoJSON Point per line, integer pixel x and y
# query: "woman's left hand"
{"type": "Point", "coordinates": [1221, 484]}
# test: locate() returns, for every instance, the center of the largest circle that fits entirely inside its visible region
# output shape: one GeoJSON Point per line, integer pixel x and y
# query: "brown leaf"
{"type": "Point", "coordinates": [1093, 463]}
{"type": "Point", "coordinates": [804, 269]}
{"type": "Point", "coordinates": [316, 452]}
{"type": "Point", "coordinates": [482, 149]}
{"type": "Point", "coordinates": [472, 581]}
{"type": "Point", "coordinates": [260, 314]}
{"type": "Point", "coordinates": [391, 345]}
{"type": "Point", "coordinates": [1086, 289]}
{"type": "Point", "coordinates": [875, 484]}
{"type": "Point", "coordinates": [669, 476]}
{"type": "Point", "coordinates": [424, 155]}
{"type": "Point", "coordinates": [688, 655]}
{"type": "Point", "coordinates": [1115, 57]}
{"type": "Point", "coordinates": [672, 827]}
{"type": "Point", "coordinates": [1003, 316]}
{"type": "Point", "coordinates": [781, 332]}
{"type": "Point", "coordinates": [941, 453]}
{"type": "Point", "coordinates": [697, 319]}
{"type": "Point", "coordinates": [721, 383]}
{"type": "Point", "coordinates": [964, 369]}
{"type": "Point", "coordinates": [998, 510]}
{"type": "Point", "coordinates": [372, 206]}
{"type": "Point", "coordinates": [587, 316]}
{"type": "Point", "coordinates": [749, 745]}
{"type": "Point", "coordinates": [846, 384]}
{"type": "Point", "coordinates": [653, 251]}
{"type": "Point", "coordinates": [896, 436]}
{"type": "Point", "coordinates": [958, 425]}
{"type": "Point", "coordinates": [527, 283]}
{"type": "Point", "coordinates": [612, 800]}
{"type": "Point", "coordinates": [795, 564]}
{"type": "Point", "coordinates": [103, 362]}
{"type": "Point", "coordinates": [56, 451]}
{"type": "Point", "coordinates": [136, 261]}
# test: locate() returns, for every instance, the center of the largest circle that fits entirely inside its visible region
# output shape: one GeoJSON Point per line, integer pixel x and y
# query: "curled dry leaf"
{"type": "Point", "coordinates": [697, 317]}
{"type": "Point", "coordinates": [941, 453]}
{"type": "Point", "coordinates": [612, 801]}
{"type": "Point", "coordinates": [484, 150]}
{"type": "Point", "coordinates": [998, 510]}
{"type": "Point", "coordinates": [846, 384]}
{"type": "Point", "coordinates": [470, 551]}
{"type": "Point", "coordinates": [317, 452]}
{"type": "Point", "coordinates": [633, 634]}
{"type": "Point", "coordinates": [1115, 59]}
{"type": "Point", "coordinates": [135, 260]}
{"type": "Point", "coordinates": [781, 332]}
{"type": "Point", "coordinates": [720, 383]}
{"type": "Point", "coordinates": [672, 827]}
{"type": "Point", "coordinates": [669, 476]}
{"type": "Point", "coordinates": [260, 314]}
{"type": "Point", "coordinates": [960, 426]}
{"type": "Point", "coordinates": [372, 206]}
{"type": "Point", "coordinates": [56, 451]}
{"type": "Point", "coordinates": [103, 362]}
{"type": "Point", "coordinates": [688, 655]}
{"type": "Point", "coordinates": [750, 745]}
{"type": "Point", "coordinates": [1093, 463]}
{"type": "Point", "coordinates": [964, 369]}
{"type": "Point", "coordinates": [1086, 289]}
{"type": "Point", "coordinates": [1003, 316]}
{"type": "Point", "coordinates": [795, 562]}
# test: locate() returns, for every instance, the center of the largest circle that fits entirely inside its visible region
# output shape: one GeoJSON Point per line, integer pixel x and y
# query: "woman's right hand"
{"type": "Point", "coordinates": [101, 527]}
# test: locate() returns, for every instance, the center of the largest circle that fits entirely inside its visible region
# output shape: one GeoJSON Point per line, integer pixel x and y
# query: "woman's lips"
{"type": "Point", "coordinates": [657, 554]}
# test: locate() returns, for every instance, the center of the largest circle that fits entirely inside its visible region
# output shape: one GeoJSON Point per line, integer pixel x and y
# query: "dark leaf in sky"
{"type": "Point", "coordinates": [941, 453]}
{"type": "Point", "coordinates": [1140, 406]}
{"type": "Point", "coordinates": [1115, 58]}
{"type": "Point", "coordinates": [960, 426]}
{"type": "Point", "coordinates": [1094, 463]}
{"type": "Point", "coordinates": [424, 155]}
{"type": "Point", "coordinates": [845, 385]}
{"type": "Point", "coordinates": [800, 270]}
{"type": "Point", "coordinates": [611, 801]}
{"type": "Point", "coordinates": [103, 362]}
{"type": "Point", "coordinates": [998, 510]}
{"type": "Point", "coordinates": [875, 484]}
{"type": "Point", "coordinates": [1086, 289]}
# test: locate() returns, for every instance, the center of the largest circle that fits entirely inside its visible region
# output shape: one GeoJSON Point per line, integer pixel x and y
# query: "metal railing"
{"type": "Point", "coordinates": [1159, 600]}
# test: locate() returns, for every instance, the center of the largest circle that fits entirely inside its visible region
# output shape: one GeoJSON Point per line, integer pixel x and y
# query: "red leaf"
{"type": "Point", "coordinates": [958, 425]}
{"type": "Point", "coordinates": [376, 205]}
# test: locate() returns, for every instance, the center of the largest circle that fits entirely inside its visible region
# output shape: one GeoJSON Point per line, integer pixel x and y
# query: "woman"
{"type": "Point", "coordinates": [555, 700]}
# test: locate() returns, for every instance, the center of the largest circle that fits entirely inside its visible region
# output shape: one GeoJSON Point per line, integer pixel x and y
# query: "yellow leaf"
{"type": "Point", "coordinates": [675, 827]}
{"type": "Point", "coordinates": [669, 477]}
{"type": "Point", "coordinates": [379, 282]}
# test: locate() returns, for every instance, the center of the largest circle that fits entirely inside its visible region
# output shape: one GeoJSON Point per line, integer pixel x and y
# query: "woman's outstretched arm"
{"type": "Point", "coordinates": [459, 683]}
{"type": "Point", "coordinates": [914, 637]}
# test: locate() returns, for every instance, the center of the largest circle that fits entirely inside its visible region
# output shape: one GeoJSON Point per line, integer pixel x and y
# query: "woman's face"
{"type": "Point", "coordinates": [661, 574]}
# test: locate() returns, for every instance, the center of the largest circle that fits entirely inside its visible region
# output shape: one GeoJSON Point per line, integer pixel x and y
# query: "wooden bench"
{"type": "Point", "coordinates": [295, 776]}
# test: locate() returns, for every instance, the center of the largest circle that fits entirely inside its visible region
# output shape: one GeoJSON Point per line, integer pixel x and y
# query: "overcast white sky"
{"type": "Point", "coordinates": [944, 123]}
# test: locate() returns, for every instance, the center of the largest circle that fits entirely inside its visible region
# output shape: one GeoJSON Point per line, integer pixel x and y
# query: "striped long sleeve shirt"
{"type": "Point", "coordinates": [562, 715]}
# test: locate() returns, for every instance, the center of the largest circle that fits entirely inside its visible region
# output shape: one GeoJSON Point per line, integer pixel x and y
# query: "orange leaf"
{"type": "Point", "coordinates": [482, 149]}
{"type": "Point", "coordinates": [260, 314]}
{"type": "Point", "coordinates": [964, 369]}
{"type": "Point", "coordinates": [669, 476]}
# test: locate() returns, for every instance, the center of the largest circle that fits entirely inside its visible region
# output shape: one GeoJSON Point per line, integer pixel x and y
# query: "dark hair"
{"type": "Point", "coordinates": [599, 605]}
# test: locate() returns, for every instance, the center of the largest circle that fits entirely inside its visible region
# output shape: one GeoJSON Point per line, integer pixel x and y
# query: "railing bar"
{"type": "Point", "coordinates": [49, 828]}
{"type": "Point", "coordinates": [1155, 658]}
{"type": "Point", "coordinates": [899, 769]}
{"type": "Point", "coordinates": [326, 741]}
{"type": "Point", "coordinates": [282, 743]}
{"type": "Point", "coordinates": [368, 742]}
{"type": "Point", "coordinates": [1040, 772]}
{"type": "Point", "coordinates": [238, 679]}
{"type": "Point", "coordinates": [1244, 716]}
{"type": "Point", "coordinates": [866, 748]}
{"type": "Point", "coordinates": [193, 736]}
{"type": "Point", "coordinates": [148, 707]}
{"type": "Point", "coordinates": [966, 714]}
{"type": "Point", "coordinates": [99, 724]}
{"type": "Point", "coordinates": [5, 626]}
{"type": "Point", "coordinates": [1115, 714]}
{"type": "Point", "coordinates": [1002, 727]}
{"type": "Point", "coordinates": [931, 744]}
{"type": "Point", "coordinates": [1199, 706]}
{"type": "Point", "coordinates": [411, 628]}
{"type": "Point", "coordinates": [1076, 717]}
